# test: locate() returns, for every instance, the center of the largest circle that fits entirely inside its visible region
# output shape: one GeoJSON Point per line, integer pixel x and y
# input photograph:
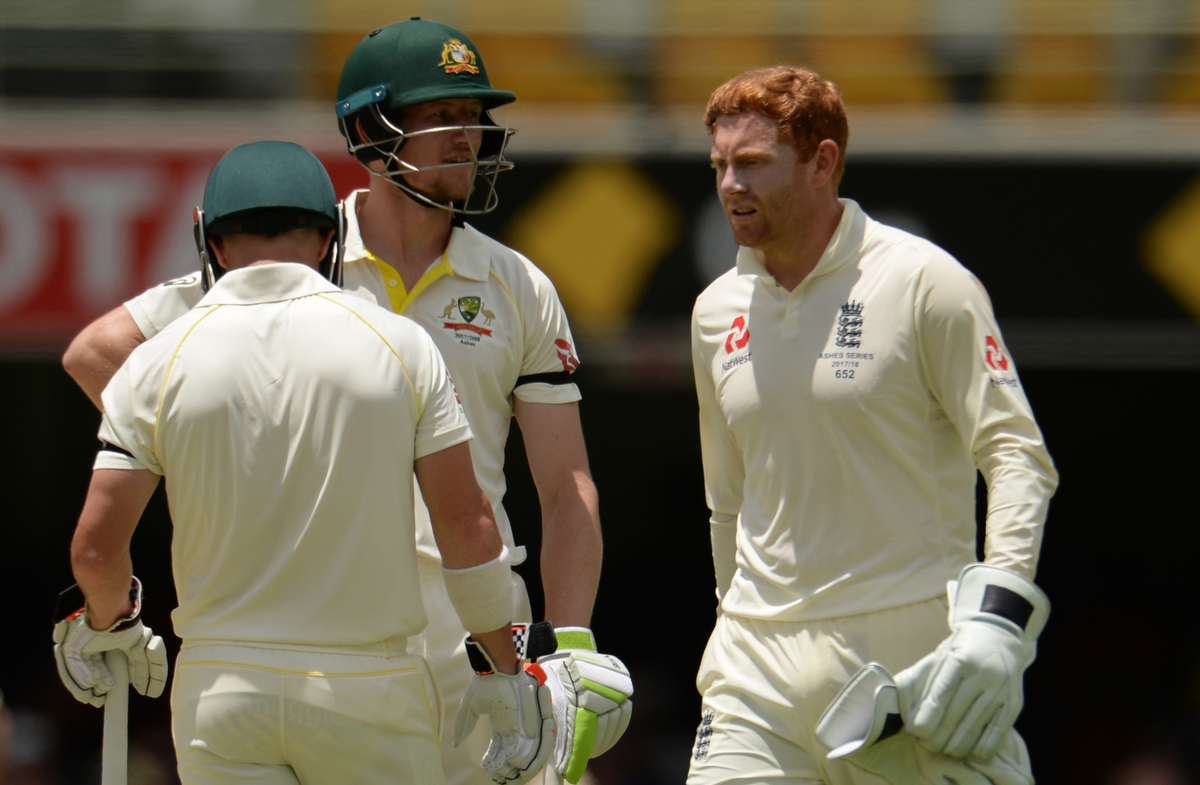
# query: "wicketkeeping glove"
{"type": "Point", "coordinates": [79, 650]}
{"type": "Point", "coordinates": [592, 705]}
{"type": "Point", "coordinates": [864, 725]}
{"type": "Point", "coordinates": [519, 710]}
{"type": "Point", "coordinates": [968, 693]}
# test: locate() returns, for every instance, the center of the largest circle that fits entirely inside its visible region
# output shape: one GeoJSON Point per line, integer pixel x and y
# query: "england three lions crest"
{"type": "Point", "coordinates": [850, 324]}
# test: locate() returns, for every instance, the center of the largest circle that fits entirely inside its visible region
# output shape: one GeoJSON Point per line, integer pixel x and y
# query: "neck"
{"type": "Point", "coordinates": [796, 255]}
{"type": "Point", "coordinates": [407, 235]}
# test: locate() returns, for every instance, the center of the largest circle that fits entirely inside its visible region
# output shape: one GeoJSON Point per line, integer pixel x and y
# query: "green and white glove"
{"type": "Point", "coordinates": [591, 694]}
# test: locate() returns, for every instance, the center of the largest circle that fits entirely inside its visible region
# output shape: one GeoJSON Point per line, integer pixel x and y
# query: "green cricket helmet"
{"type": "Point", "coordinates": [268, 188]}
{"type": "Point", "coordinates": [410, 63]}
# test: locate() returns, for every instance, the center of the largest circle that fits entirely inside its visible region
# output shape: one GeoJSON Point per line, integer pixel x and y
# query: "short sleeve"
{"type": "Point", "coordinates": [128, 424]}
{"type": "Point", "coordinates": [442, 422]}
{"type": "Point", "coordinates": [155, 308]}
{"type": "Point", "coordinates": [549, 356]}
{"type": "Point", "coordinates": [973, 377]}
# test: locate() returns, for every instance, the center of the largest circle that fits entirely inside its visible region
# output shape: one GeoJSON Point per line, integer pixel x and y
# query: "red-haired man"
{"type": "Point", "coordinates": [851, 380]}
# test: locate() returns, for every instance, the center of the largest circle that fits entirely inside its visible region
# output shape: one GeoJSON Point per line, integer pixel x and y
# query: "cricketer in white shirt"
{"type": "Point", "coordinates": [851, 380]}
{"type": "Point", "coordinates": [294, 547]}
{"type": "Point", "coordinates": [498, 323]}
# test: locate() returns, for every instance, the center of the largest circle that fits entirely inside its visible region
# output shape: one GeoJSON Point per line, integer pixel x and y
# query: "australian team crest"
{"type": "Point", "coordinates": [457, 58]}
{"type": "Point", "coordinates": [469, 307]}
{"type": "Point", "coordinates": [850, 323]}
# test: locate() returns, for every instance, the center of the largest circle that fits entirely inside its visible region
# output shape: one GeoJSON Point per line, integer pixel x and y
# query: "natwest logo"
{"type": "Point", "coordinates": [565, 355]}
{"type": "Point", "coordinates": [739, 335]}
{"type": "Point", "coordinates": [995, 357]}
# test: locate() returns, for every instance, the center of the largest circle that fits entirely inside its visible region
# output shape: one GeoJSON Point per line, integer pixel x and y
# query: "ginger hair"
{"type": "Point", "coordinates": [806, 108]}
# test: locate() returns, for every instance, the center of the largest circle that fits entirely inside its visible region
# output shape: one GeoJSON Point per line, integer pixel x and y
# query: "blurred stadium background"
{"type": "Point", "coordinates": [1052, 145]}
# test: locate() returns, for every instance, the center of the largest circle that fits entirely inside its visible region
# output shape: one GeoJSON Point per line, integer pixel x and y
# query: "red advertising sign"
{"type": "Point", "coordinates": [81, 232]}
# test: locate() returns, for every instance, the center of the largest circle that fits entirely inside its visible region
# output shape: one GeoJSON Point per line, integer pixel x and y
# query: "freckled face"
{"type": "Point", "coordinates": [763, 187]}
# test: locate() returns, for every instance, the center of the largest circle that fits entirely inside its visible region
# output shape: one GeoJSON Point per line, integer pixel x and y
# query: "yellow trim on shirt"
{"type": "Point", "coordinates": [167, 377]}
{"type": "Point", "coordinates": [382, 337]}
{"type": "Point", "coordinates": [399, 297]}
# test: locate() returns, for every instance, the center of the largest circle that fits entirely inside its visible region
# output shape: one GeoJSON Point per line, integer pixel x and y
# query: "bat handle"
{"type": "Point", "coordinates": [114, 768]}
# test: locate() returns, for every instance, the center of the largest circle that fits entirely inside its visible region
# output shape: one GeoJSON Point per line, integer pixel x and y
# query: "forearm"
{"type": "Point", "coordinates": [100, 548]}
{"type": "Point", "coordinates": [99, 350]}
{"type": "Point", "coordinates": [104, 580]}
{"type": "Point", "coordinates": [572, 550]}
{"type": "Point", "coordinates": [723, 531]}
{"type": "Point", "coordinates": [1018, 502]}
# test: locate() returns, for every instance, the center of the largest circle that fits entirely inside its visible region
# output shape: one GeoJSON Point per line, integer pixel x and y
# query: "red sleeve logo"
{"type": "Point", "coordinates": [995, 357]}
{"type": "Point", "coordinates": [739, 336]}
{"type": "Point", "coordinates": [565, 355]}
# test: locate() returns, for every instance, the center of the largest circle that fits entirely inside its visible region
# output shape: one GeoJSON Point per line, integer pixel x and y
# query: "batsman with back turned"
{"type": "Point", "coordinates": [851, 381]}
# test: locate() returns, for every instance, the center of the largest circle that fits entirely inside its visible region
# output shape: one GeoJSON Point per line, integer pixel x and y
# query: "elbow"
{"type": "Point", "coordinates": [573, 492]}
{"type": "Point", "coordinates": [75, 358]}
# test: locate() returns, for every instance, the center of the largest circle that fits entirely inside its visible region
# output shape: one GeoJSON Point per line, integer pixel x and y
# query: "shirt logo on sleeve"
{"type": "Point", "coordinates": [739, 336]}
{"type": "Point", "coordinates": [995, 358]}
{"type": "Point", "coordinates": [850, 325]}
{"type": "Point", "coordinates": [566, 355]}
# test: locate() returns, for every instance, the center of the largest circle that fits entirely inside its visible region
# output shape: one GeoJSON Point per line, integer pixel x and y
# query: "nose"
{"type": "Point", "coordinates": [729, 181]}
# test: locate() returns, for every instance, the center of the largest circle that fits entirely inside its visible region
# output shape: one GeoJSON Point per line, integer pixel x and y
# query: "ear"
{"type": "Point", "coordinates": [827, 157]}
{"type": "Point", "coordinates": [218, 248]}
{"type": "Point", "coordinates": [326, 239]}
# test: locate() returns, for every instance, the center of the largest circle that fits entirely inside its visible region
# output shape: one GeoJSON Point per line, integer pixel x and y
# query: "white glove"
{"type": "Point", "coordinates": [863, 723]}
{"type": "Point", "coordinates": [591, 693]}
{"type": "Point", "coordinates": [79, 650]}
{"type": "Point", "coordinates": [519, 710]}
{"type": "Point", "coordinates": [968, 692]}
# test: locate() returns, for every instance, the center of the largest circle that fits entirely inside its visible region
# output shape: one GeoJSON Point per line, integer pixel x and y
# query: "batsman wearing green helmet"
{"type": "Point", "coordinates": [414, 108]}
{"type": "Point", "coordinates": [287, 417]}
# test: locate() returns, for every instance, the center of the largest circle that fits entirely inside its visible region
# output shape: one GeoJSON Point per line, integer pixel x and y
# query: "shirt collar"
{"type": "Point", "coordinates": [354, 244]}
{"type": "Point", "coordinates": [467, 254]}
{"type": "Point", "coordinates": [846, 241]}
{"type": "Point", "coordinates": [267, 283]}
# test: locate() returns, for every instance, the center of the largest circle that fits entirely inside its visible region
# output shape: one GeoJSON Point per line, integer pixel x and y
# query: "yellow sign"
{"type": "Point", "coordinates": [599, 230]}
{"type": "Point", "coordinates": [1172, 249]}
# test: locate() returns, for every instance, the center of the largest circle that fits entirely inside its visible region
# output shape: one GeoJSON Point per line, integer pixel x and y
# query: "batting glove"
{"type": "Point", "coordinates": [79, 650]}
{"type": "Point", "coordinates": [519, 710]}
{"type": "Point", "coordinates": [592, 705]}
{"type": "Point", "coordinates": [969, 691]}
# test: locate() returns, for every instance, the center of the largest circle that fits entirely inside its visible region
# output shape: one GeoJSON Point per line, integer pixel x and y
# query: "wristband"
{"type": "Point", "coordinates": [482, 595]}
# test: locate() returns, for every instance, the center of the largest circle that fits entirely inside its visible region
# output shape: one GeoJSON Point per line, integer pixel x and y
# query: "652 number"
{"type": "Point", "coordinates": [846, 374]}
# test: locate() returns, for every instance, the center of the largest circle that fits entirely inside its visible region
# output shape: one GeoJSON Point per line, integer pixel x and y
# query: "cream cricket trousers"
{"type": "Point", "coordinates": [765, 684]}
{"type": "Point", "coordinates": [282, 715]}
{"type": "Point", "coordinates": [441, 645]}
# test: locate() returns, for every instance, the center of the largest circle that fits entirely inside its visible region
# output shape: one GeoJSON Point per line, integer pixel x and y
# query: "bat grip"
{"type": "Point", "coordinates": [114, 767]}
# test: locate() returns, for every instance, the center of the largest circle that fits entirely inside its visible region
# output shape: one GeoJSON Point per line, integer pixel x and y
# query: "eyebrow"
{"type": "Point", "coordinates": [742, 155]}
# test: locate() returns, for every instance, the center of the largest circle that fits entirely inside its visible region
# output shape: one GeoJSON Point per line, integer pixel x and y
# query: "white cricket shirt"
{"type": "Point", "coordinates": [285, 415]}
{"type": "Point", "coordinates": [495, 317]}
{"type": "Point", "coordinates": [842, 423]}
